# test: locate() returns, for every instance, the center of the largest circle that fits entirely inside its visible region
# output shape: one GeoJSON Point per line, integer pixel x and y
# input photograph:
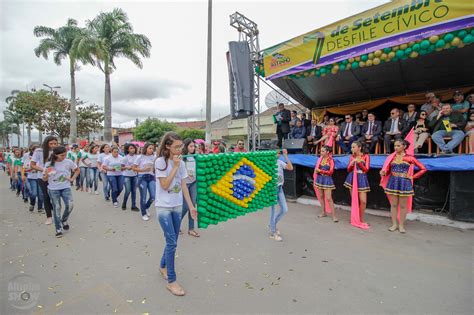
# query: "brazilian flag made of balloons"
{"type": "Point", "coordinates": [234, 184]}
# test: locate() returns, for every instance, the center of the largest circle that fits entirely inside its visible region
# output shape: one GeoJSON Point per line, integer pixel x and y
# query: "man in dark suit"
{"type": "Point", "coordinates": [371, 130]}
{"type": "Point", "coordinates": [394, 128]}
{"type": "Point", "coordinates": [349, 132]}
{"type": "Point", "coordinates": [282, 119]}
{"type": "Point", "coordinates": [306, 122]}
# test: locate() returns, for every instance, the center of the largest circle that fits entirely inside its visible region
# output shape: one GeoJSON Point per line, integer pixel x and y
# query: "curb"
{"type": "Point", "coordinates": [422, 217]}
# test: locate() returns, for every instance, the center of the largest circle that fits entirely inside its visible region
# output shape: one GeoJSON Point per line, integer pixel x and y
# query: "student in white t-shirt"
{"type": "Point", "coordinates": [113, 165]}
{"type": "Point", "coordinates": [130, 177]}
{"type": "Point", "coordinates": [90, 160]}
{"type": "Point", "coordinates": [32, 177]}
{"type": "Point", "coordinates": [103, 153]}
{"type": "Point", "coordinates": [57, 173]}
{"type": "Point", "coordinates": [189, 148]}
{"type": "Point", "coordinates": [171, 175]}
{"type": "Point", "coordinates": [144, 166]}
{"type": "Point", "coordinates": [82, 166]}
{"type": "Point", "coordinates": [275, 218]}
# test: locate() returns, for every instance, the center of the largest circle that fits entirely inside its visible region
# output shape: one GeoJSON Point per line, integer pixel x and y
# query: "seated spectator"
{"type": "Point", "coordinates": [371, 130]}
{"type": "Point", "coordinates": [410, 116]}
{"type": "Point", "coordinates": [448, 124]}
{"type": "Point", "coordinates": [365, 115]}
{"type": "Point", "coordinates": [240, 147]}
{"type": "Point", "coordinates": [329, 133]}
{"type": "Point", "coordinates": [394, 128]}
{"type": "Point", "coordinates": [315, 131]}
{"type": "Point", "coordinates": [460, 105]}
{"type": "Point", "coordinates": [359, 120]}
{"type": "Point", "coordinates": [421, 130]}
{"type": "Point", "coordinates": [427, 107]}
{"type": "Point", "coordinates": [299, 131]}
{"type": "Point", "coordinates": [470, 132]}
{"type": "Point", "coordinates": [306, 122]}
{"type": "Point", "coordinates": [470, 99]}
{"type": "Point", "coordinates": [435, 108]}
{"type": "Point", "coordinates": [349, 132]}
{"type": "Point", "coordinates": [294, 118]}
{"type": "Point", "coordinates": [325, 121]}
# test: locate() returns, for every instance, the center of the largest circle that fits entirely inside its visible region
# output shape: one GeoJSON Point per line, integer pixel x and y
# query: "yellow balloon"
{"type": "Point", "coordinates": [413, 54]}
{"type": "Point", "coordinates": [371, 56]}
{"type": "Point", "coordinates": [456, 41]}
{"type": "Point", "coordinates": [376, 61]}
{"type": "Point", "coordinates": [348, 66]}
{"type": "Point", "coordinates": [357, 58]}
{"type": "Point", "coordinates": [334, 71]}
{"type": "Point", "coordinates": [403, 46]}
{"type": "Point", "coordinates": [378, 53]}
{"type": "Point", "coordinates": [411, 44]}
{"type": "Point", "coordinates": [351, 60]}
{"type": "Point", "coordinates": [461, 45]}
{"type": "Point", "coordinates": [335, 67]}
{"type": "Point", "coordinates": [383, 56]}
{"type": "Point", "coordinates": [391, 54]}
{"type": "Point", "coordinates": [447, 46]}
{"type": "Point", "coordinates": [323, 74]}
{"type": "Point", "coordinates": [395, 48]}
{"type": "Point", "coordinates": [361, 64]}
{"type": "Point", "coordinates": [368, 63]}
{"type": "Point", "coordinates": [434, 39]}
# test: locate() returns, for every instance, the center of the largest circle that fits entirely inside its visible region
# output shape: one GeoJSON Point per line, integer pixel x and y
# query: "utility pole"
{"type": "Point", "coordinates": [209, 72]}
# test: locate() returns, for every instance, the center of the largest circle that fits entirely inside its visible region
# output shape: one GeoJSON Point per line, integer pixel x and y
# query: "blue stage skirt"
{"type": "Point", "coordinates": [362, 182]}
{"type": "Point", "coordinates": [399, 186]}
{"type": "Point", "coordinates": [324, 182]}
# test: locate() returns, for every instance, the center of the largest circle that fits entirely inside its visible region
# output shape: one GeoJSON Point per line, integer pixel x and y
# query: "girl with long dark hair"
{"type": "Point", "coordinates": [114, 165]}
{"type": "Point", "coordinates": [38, 160]}
{"type": "Point", "coordinates": [31, 177]}
{"type": "Point", "coordinates": [83, 167]}
{"type": "Point", "coordinates": [171, 174]}
{"type": "Point", "coordinates": [324, 184]}
{"type": "Point", "coordinates": [130, 176]}
{"type": "Point", "coordinates": [58, 175]}
{"type": "Point", "coordinates": [146, 179]}
{"type": "Point", "coordinates": [189, 148]}
{"type": "Point", "coordinates": [103, 154]}
{"type": "Point", "coordinates": [90, 160]}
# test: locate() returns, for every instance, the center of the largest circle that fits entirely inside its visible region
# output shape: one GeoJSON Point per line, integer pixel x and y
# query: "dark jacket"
{"type": "Point", "coordinates": [284, 124]}
{"type": "Point", "coordinates": [318, 131]}
{"type": "Point", "coordinates": [355, 129]}
{"type": "Point", "coordinates": [454, 118]}
{"type": "Point", "coordinates": [376, 128]}
{"type": "Point", "coordinates": [402, 126]}
{"type": "Point", "coordinates": [298, 133]}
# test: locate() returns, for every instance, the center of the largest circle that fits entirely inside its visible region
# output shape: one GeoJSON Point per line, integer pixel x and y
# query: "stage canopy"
{"type": "Point", "coordinates": [400, 48]}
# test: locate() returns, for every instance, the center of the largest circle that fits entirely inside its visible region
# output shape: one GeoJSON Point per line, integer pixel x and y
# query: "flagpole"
{"type": "Point", "coordinates": [209, 72]}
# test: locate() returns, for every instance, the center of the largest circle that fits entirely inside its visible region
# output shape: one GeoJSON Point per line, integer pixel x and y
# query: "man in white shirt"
{"type": "Point", "coordinates": [394, 128]}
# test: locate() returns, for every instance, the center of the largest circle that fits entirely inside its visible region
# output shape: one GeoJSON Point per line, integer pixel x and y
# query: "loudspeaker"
{"type": "Point", "coordinates": [294, 145]}
{"type": "Point", "coordinates": [461, 200]}
{"type": "Point", "coordinates": [292, 186]}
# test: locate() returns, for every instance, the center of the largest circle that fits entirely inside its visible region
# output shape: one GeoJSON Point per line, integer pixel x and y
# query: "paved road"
{"type": "Point", "coordinates": [107, 263]}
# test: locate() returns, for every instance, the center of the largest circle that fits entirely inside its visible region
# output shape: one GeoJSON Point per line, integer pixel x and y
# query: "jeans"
{"type": "Point", "coordinates": [83, 176]}
{"type": "Point", "coordinates": [116, 185]}
{"type": "Point", "coordinates": [457, 136]}
{"type": "Point", "coordinates": [48, 207]}
{"type": "Point", "coordinates": [18, 184]}
{"type": "Point", "coordinates": [92, 177]}
{"type": "Point", "coordinates": [283, 209]}
{"type": "Point", "coordinates": [35, 192]}
{"type": "Point", "coordinates": [192, 192]}
{"type": "Point", "coordinates": [56, 196]}
{"type": "Point", "coordinates": [131, 183]}
{"type": "Point", "coordinates": [105, 185]}
{"type": "Point", "coordinates": [346, 148]}
{"type": "Point", "coordinates": [170, 220]}
{"type": "Point", "coordinates": [146, 182]}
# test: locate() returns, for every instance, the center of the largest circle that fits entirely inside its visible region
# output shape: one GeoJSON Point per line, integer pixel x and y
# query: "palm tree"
{"type": "Point", "coordinates": [5, 130]}
{"type": "Point", "coordinates": [110, 35]}
{"type": "Point", "coordinates": [15, 120]}
{"type": "Point", "coordinates": [61, 41]}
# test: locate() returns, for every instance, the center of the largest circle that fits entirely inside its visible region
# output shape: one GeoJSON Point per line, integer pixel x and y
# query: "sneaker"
{"type": "Point", "coordinates": [145, 218]}
{"type": "Point", "coordinates": [147, 212]}
{"type": "Point", "coordinates": [107, 199]}
{"type": "Point", "coordinates": [124, 206]}
{"type": "Point", "coordinates": [135, 209]}
{"type": "Point", "coordinates": [48, 221]}
{"type": "Point", "coordinates": [25, 200]}
{"type": "Point", "coordinates": [65, 226]}
{"type": "Point", "coordinates": [59, 234]}
{"type": "Point", "coordinates": [32, 208]}
{"type": "Point", "coordinates": [276, 237]}
{"type": "Point", "coordinates": [116, 204]}
{"type": "Point", "coordinates": [40, 210]}
{"type": "Point", "coordinates": [96, 192]}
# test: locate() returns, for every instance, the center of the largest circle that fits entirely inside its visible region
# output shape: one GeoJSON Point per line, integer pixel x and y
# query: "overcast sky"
{"type": "Point", "coordinates": [172, 83]}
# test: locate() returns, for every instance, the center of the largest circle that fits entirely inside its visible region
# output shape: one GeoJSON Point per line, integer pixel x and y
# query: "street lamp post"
{"type": "Point", "coordinates": [51, 88]}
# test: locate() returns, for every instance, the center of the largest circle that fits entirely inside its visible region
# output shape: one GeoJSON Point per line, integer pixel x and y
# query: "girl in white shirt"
{"type": "Point", "coordinates": [90, 159]}
{"type": "Point", "coordinates": [103, 153]}
{"type": "Point", "coordinates": [113, 165]}
{"type": "Point", "coordinates": [144, 166]}
{"type": "Point", "coordinates": [171, 175]}
{"type": "Point", "coordinates": [190, 149]}
{"type": "Point", "coordinates": [130, 177]}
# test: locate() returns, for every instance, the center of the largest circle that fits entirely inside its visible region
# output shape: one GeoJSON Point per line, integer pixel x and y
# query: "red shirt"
{"type": "Point", "coordinates": [236, 149]}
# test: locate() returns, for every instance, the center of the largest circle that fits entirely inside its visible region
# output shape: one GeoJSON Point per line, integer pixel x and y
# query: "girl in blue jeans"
{"type": "Point", "coordinates": [144, 166]}
{"type": "Point", "coordinates": [130, 176]}
{"type": "Point", "coordinates": [114, 165]}
{"type": "Point", "coordinates": [31, 177]}
{"type": "Point", "coordinates": [189, 148]}
{"type": "Point", "coordinates": [57, 173]}
{"type": "Point", "coordinates": [104, 152]}
{"type": "Point", "coordinates": [90, 159]}
{"type": "Point", "coordinates": [275, 218]}
{"type": "Point", "coordinates": [171, 174]}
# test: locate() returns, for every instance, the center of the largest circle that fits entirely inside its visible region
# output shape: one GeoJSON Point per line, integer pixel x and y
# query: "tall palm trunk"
{"type": "Point", "coordinates": [28, 133]}
{"type": "Point", "coordinates": [73, 129]}
{"type": "Point", "coordinates": [107, 106]}
{"type": "Point", "coordinates": [18, 135]}
{"type": "Point", "coordinates": [40, 136]}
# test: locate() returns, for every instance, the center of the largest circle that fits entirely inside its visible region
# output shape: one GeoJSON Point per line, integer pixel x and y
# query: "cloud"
{"type": "Point", "coordinates": [146, 89]}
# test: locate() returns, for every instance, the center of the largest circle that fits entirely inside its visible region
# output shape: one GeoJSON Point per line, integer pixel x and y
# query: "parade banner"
{"type": "Point", "coordinates": [394, 23]}
{"type": "Point", "coordinates": [234, 184]}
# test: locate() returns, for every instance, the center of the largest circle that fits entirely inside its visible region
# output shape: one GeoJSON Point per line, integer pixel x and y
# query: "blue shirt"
{"type": "Point", "coordinates": [459, 106]}
{"type": "Point", "coordinates": [298, 133]}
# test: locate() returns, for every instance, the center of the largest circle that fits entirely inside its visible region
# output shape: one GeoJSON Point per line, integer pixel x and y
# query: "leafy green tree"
{"type": "Point", "coordinates": [192, 133]}
{"type": "Point", "coordinates": [60, 42]}
{"type": "Point", "coordinates": [6, 129]}
{"type": "Point", "coordinates": [15, 120]}
{"type": "Point", "coordinates": [110, 36]}
{"type": "Point", "coordinates": [89, 119]}
{"type": "Point", "coordinates": [152, 129]}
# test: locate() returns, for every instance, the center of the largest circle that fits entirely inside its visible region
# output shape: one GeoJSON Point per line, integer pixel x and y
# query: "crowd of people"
{"type": "Point", "coordinates": [446, 123]}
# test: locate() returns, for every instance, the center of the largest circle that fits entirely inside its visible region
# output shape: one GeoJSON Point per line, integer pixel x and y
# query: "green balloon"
{"type": "Point", "coordinates": [462, 34]}
{"type": "Point", "coordinates": [416, 47]}
{"type": "Point", "coordinates": [342, 67]}
{"type": "Point", "coordinates": [468, 39]}
{"type": "Point", "coordinates": [408, 51]}
{"type": "Point", "coordinates": [364, 57]}
{"type": "Point", "coordinates": [448, 37]}
{"type": "Point", "coordinates": [431, 48]}
{"type": "Point", "coordinates": [425, 44]}
{"type": "Point", "coordinates": [318, 74]}
{"type": "Point", "coordinates": [472, 32]}
{"type": "Point", "coordinates": [387, 50]}
{"type": "Point", "coordinates": [355, 65]}
{"type": "Point", "coordinates": [400, 53]}
{"type": "Point", "coordinates": [440, 43]}
{"type": "Point", "coordinates": [423, 52]}
{"type": "Point", "coordinates": [322, 70]}
{"type": "Point", "coordinates": [345, 62]}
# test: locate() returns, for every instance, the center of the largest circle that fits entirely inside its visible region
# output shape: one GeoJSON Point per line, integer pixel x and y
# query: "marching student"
{"type": "Point", "coordinates": [73, 156]}
{"type": "Point", "coordinates": [171, 175]}
{"type": "Point", "coordinates": [90, 160]}
{"type": "Point", "coordinates": [189, 148]}
{"type": "Point", "coordinates": [323, 182]}
{"type": "Point", "coordinates": [17, 166]}
{"type": "Point", "coordinates": [31, 177]}
{"type": "Point", "coordinates": [275, 218]}
{"type": "Point", "coordinates": [103, 154]}
{"type": "Point", "coordinates": [144, 166]}
{"type": "Point", "coordinates": [358, 184]}
{"type": "Point", "coordinates": [38, 160]}
{"type": "Point", "coordinates": [113, 165]}
{"type": "Point", "coordinates": [130, 176]}
{"type": "Point", "coordinates": [57, 173]}
{"type": "Point", "coordinates": [83, 167]}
